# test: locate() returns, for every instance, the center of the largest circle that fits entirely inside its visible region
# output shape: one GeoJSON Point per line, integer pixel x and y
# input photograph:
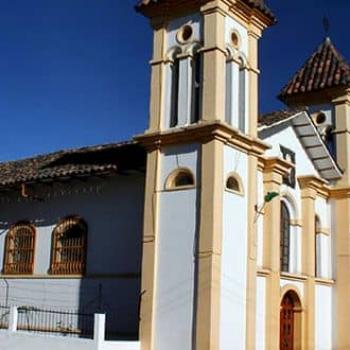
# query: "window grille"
{"type": "Point", "coordinates": [69, 247]}
{"type": "Point", "coordinates": [19, 249]}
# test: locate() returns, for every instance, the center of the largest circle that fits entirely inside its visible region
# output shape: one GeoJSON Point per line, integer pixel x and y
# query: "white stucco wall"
{"type": "Point", "coordinates": [113, 211]}
{"type": "Point", "coordinates": [234, 256]}
{"type": "Point", "coordinates": [175, 258]}
{"type": "Point", "coordinates": [323, 317]}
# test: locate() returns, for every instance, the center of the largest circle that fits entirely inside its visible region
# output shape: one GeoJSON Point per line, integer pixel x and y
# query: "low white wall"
{"type": "Point", "coordinates": [27, 341]}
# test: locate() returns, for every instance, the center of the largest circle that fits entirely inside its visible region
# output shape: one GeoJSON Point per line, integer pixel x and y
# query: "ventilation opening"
{"type": "Point", "coordinates": [233, 183]}
{"type": "Point", "coordinates": [321, 118]}
{"type": "Point", "coordinates": [180, 179]}
{"type": "Point", "coordinates": [184, 34]}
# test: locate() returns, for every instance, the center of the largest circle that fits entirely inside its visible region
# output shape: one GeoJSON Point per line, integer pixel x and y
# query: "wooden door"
{"type": "Point", "coordinates": [287, 323]}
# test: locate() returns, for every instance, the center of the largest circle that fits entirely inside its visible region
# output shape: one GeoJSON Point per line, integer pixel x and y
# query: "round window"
{"type": "Point", "coordinates": [185, 34]}
{"type": "Point", "coordinates": [235, 40]}
{"type": "Point", "coordinates": [321, 118]}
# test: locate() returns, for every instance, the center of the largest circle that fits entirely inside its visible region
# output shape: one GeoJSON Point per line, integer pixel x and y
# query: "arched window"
{"type": "Point", "coordinates": [234, 183]}
{"type": "Point", "coordinates": [175, 71]}
{"type": "Point", "coordinates": [69, 241]}
{"type": "Point", "coordinates": [242, 96]}
{"type": "Point", "coordinates": [19, 249]}
{"type": "Point", "coordinates": [317, 247]}
{"type": "Point", "coordinates": [196, 87]}
{"type": "Point", "coordinates": [284, 238]}
{"type": "Point", "coordinates": [179, 179]}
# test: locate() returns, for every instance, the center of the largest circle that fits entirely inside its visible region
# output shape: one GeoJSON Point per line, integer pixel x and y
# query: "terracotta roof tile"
{"type": "Point", "coordinates": [95, 160]}
{"type": "Point", "coordinates": [325, 69]}
{"type": "Point", "coordinates": [277, 116]}
{"type": "Point", "coordinates": [257, 4]}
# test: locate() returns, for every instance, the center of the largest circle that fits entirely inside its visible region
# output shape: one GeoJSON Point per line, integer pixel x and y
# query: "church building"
{"type": "Point", "coordinates": [215, 229]}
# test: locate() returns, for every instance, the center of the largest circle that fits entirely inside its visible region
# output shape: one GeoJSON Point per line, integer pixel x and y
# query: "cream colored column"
{"type": "Point", "coordinates": [342, 225]}
{"type": "Point", "coordinates": [158, 70]}
{"type": "Point", "coordinates": [214, 60]}
{"type": "Point", "coordinates": [150, 228]}
{"type": "Point", "coordinates": [308, 196]}
{"type": "Point", "coordinates": [342, 132]}
{"type": "Point", "coordinates": [342, 277]}
{"type": "Point", "coordinates": [254, 35]}
{"type": "Point", "coordinates": [210, 247]}
{"type": "Point", "coordinates": [273, 172]}
{"type": "Point", "coordinates": [272, 183]}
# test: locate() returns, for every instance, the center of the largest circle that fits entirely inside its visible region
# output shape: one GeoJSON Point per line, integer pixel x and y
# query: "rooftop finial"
{"type": "Point", "coordinates": [326, 26]}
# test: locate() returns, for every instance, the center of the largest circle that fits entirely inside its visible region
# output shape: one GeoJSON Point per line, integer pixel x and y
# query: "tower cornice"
{"type": "Point", "coordinates": [202, 133]}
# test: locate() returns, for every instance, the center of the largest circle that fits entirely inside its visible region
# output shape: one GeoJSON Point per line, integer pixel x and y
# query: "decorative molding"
{"type": "Point", "coordinates": [203, 132]}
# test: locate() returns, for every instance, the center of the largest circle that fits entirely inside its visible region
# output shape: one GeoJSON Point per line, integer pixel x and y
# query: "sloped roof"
{"type": "Point", "coordinates": [143, 5]}
{"type": "Point", "coordinates": [325, 69]}
{"type": "Point", "coordinates": [308, 135]}
{"type": "Point", "coordinates": [277, 116]}
{"type": "Point", "coordinates": [88, 161]}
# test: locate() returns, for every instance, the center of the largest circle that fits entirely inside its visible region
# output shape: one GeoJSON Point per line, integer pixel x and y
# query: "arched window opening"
{"type": "Point", "coordinates": [19, 249]}
{"type": "Point", "coordinates": [196, 87]}
{"type": "Point", "coordinates": [242, 97]}
{"type": "Point", "coordinates": [329, 140]}
{"type": "Point", "coordinates": [284, 238]}
{"type": "Point", "coordinates": [317, 247]}
{"type": "Point", "coordinates": [175, 71]}
{"type": "Point", "coordinates": [234, 183]}
{"type": "Point", "coordinates": [69, 247]}
{"type": "Point", "coordinates": [180, 178]}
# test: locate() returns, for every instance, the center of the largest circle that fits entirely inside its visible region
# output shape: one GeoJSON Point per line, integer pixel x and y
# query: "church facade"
{"type": "Point", "coordinates": [215, 229]}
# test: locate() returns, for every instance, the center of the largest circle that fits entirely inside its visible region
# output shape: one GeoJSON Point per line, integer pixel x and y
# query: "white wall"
{"type": "Point", "coordinates": [323, 317]}
{"type": "Point", "coordinates": [26, 341]}
{"type": "Point", "coordinates": [234, 256]}
{"type": "Point", "coordinates": [175, 258]}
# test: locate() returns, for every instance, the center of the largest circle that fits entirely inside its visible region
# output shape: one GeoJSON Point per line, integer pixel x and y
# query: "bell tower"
{"type": "Point", "coordinates": [199, 230]}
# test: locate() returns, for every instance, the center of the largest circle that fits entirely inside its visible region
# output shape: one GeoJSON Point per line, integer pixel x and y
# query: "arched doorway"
{"type": "Point", "coordinates": [290, 322]}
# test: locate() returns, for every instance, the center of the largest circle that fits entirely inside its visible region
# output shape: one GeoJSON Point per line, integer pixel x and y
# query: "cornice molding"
{"type": "Point", "coordinates": [203, 132]}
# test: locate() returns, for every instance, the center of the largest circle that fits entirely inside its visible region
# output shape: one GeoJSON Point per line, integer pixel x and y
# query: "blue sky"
{"type": "Point", "coordinates": [75, 73]}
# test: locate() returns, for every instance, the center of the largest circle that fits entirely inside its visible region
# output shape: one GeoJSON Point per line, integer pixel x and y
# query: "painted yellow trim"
{"type": "Point", "coordinates": [149, 251]}
{"type": "Point", "coordinates": [202, 133]}
{"type": "Point", "coordinates": [210, 247]}
{"type": "Point", "coordinates": [293, 277]}
{"type": "Point", "coordinates": [252, 254]}
{"type": "Point", "coordinates": [324, 281]}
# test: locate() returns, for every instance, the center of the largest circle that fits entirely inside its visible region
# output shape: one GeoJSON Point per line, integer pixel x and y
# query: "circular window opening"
{"type": "Point", "coordinates": [321, 118]}
{"type": "Point", "coordinates": [235, 40]}
{"type": "Point", "coordinates": [185, 34]}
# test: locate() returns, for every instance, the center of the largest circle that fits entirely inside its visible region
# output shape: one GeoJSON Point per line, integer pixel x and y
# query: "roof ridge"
{"type": "Point", "coordinates": [325, 68]}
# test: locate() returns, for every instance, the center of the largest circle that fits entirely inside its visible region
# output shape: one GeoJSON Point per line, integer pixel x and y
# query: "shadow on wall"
{"type": "Point", "coordinates": [113, 211]}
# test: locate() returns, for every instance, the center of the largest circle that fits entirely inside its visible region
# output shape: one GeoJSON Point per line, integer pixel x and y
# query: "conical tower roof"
{"type": "Point", "coordinates": [325, 69]}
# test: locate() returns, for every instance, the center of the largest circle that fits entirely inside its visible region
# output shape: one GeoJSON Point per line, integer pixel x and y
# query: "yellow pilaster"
{"type": "Point", "coordinates": [157, 77]}
{"type": "Point", "coordinates": [254, 35]}
{"type": "Point", "coordinates": [308, 196]}
{"type": "Point", "coordinates": [214, 59]}
{"type": "Point", "coordinates": [342, 264]}
{"type": "Point", "coordinates": [252, 253]}
{"type": "Point", "coordinates": [150, 227]}
{"type": "Point", "coordinates": [342, 132]}
{"type": "Point", "coordinates": [210, 242]}
{"type": "Point", "coordinates": [273, 173]}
